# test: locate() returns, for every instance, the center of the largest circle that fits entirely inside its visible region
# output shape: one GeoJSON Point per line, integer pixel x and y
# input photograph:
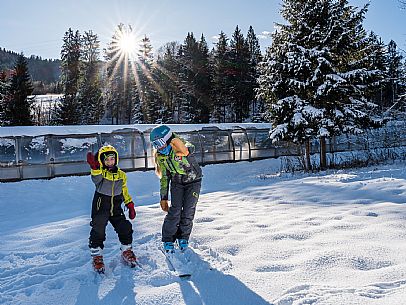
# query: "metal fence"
{"type": "Point", "coordinates": [50, 155]}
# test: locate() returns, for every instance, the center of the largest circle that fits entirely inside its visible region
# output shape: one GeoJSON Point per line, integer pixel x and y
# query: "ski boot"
{"type": "Point", "coordinates": [97, 260]}
{"type": "Point", "coordinates": [169, 247]}
{"type": "Point", "coordinates": [183, 244]}
{"type": "Point", "coordinates": [128, 255]}
{"type": "Point", "coordinates": [98, 264]}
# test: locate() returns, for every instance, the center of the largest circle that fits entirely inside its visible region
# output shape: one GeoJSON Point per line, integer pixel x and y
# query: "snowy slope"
{"type": "Point", "coordinates": [331, 238]}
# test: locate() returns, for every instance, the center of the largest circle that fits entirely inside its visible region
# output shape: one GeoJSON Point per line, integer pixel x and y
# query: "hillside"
{"type": "Point", "coordinates": [44, 70]}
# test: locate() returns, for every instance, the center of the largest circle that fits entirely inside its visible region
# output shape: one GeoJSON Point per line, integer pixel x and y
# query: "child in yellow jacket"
{"type": "Point", "coordinates": [111, 191]}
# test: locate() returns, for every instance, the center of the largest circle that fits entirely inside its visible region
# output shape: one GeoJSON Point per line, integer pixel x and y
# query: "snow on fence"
{"type": "Point", "coordinates": [38, 152]}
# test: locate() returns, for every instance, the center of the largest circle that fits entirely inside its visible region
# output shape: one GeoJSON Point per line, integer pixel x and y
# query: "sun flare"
{"type": "Point", "coordinates": [127, 43]}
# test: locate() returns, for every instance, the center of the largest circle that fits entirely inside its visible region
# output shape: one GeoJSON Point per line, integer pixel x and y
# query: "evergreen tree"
{"type": "Point", "coordinates": [256, 106]}
{"type": "Point", "coordinates": [188, 110]}
{"type": "Point", "coordinates": [114, 76]}
{"type": "Point", "coordinates": [69, 109]}
{"type": "Point", "coordinates": [222, 108]}
{"type": "Point", "coordinates": [394, 87]}
{"type": "Point", "coordinates": [377, 61]}
{"type": "Point", "coordinates": [241, 89]}
{"type": "Point", "coordinates": [89, 93]}
{"type": "Point", "coordinates": [18, 104]}
{"type": "Point", "coordinates": [4, 93]}
{"type": "Point", "coordinates": [169, 66]}
{"type": "Point", "coordinates": [203, 82]}
{"type": "Point", "coordinates": [402, 94]}
{"type": "Point", "coordinates": [253, 47]}
{"type": "Point", "coordinates": [136, 112]}
{"type": "Point", "coordinates": [120, 94]}
{"type": "Point", "coordinates": [316, 73]}
{"type": "Point", "coordinates": [148, 88]}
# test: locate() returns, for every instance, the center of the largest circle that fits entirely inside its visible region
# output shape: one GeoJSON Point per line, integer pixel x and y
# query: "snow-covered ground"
{"type": "Point", "coordinates": [259, 238]}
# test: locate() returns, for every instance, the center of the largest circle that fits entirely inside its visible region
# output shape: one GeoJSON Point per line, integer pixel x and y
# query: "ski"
{"type": "Point", "coordinates": [177, 263]}
{"type": "Point", "coordinates": [100, 270]}
{"type": "Point", "coordinates": [132, 264]}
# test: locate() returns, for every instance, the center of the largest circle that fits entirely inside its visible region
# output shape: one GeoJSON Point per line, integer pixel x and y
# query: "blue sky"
{"type": "Point", "coordinates": [37, 27]}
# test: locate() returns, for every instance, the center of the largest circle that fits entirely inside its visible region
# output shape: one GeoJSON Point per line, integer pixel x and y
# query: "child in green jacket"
{"type": "Point", "coordinates": [178, 170]}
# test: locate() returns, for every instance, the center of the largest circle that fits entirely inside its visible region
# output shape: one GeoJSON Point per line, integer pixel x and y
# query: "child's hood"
{"type": "Point", "coordinates": [106, 150]}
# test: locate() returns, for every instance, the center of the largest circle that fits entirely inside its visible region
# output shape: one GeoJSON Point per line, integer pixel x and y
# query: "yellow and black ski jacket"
{"type": "Point", "coordinates": [110, 183]}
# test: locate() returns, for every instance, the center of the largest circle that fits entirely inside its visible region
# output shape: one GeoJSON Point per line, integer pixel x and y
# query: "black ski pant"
{"type": "Point", "coordinates": [105, 209]}
{"type": "Point", "coordinates": [178, 222]}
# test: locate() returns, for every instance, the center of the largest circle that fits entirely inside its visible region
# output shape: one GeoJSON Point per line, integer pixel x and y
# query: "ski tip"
{"type": "Point", "coordinates": [185, 276]}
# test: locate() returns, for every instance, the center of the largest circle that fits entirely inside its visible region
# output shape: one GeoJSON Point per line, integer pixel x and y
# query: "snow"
{"type": "Point", "coordinates": [7, 143]}
{"type": "Point", "coordinates": [71, 143]}
{"type": "Point", "coordinates": [38, 143]}
{"type": "Point", "coordinates": [335, 237]}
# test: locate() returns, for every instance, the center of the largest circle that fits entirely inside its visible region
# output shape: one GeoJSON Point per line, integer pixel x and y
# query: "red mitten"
{"type": "Point", "coordinates": [93, 163]}
{"type": "Point", "coordinates": [131, 210]}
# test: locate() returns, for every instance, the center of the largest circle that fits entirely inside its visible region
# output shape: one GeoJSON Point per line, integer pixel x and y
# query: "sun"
{"type": "Point", "coordinates": [127, 43]}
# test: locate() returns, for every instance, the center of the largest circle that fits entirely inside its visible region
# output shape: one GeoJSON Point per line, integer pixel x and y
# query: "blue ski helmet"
{"type": "Point", "coordinates": [160, 135]}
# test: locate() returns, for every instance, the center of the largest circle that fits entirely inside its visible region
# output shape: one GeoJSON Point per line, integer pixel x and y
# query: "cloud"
{"type": "Point", "coordinates": [215, 37]}
{"type": "Point", "coordinates": [264, 35]}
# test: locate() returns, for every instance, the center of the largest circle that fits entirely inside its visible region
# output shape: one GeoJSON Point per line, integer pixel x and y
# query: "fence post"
{"type": "Point", "coordinates": [323, 155]}
{"type": "Point", "coordinates": [307, 155]}
{"type": "Point", "coordinates": [144, 143]}
{"type": "Point", "coordinates": [249, 144]}
{"type": "Point", "coordinates": [19, 161]}
{"type": "Point", "coordinates": [51, 156]}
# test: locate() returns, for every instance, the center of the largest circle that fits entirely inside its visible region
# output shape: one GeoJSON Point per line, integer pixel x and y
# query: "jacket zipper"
{"type": "Point", "coordinates": [112, 197]}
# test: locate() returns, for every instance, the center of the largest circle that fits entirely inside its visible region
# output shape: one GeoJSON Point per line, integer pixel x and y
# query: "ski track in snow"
{"type": "Point", "coordinates": [330, 238]}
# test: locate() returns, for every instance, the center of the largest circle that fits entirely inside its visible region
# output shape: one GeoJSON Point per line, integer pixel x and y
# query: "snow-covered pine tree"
{"type": "Point", "coordinates": [395, 86]}
{"type": "Point", "coordinates": [4, 89]}
{"type": "Point", "coordinates": [18, 105]}
{"type": "Point", "coordinates": [114, 83]}
{"type": "Point", "coordinates": [202, 81]}
{"type": "Point", "coordinates": [222, 108]}
{"type": "Point", "coordinates": [187, 97]}
{"type": "Point", "coordinates": [137, 116]}
{"type": "Point", "coordinates": [378, 61]}
{"type": "Point", "coordinates": [119, 91]}
{"type": "Point", "coordinates": [167, 68]}
{"type": "Point", "coordinates": [402, 95]}
{"type": "Point", "coordinates": [193, 80]}
{"type": "Point", "coordinates": [69, 110]}
{"type": "Point", "coordinates": [148, 87]}
{"type": "Point", "coordinates": [315, 74]}
{"type": "Point", "coordinates": [89, 93]}
{"type": "Point", "coordinates": [256, 106]}
{"type": "Point", "coordinates": [241, 90]}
